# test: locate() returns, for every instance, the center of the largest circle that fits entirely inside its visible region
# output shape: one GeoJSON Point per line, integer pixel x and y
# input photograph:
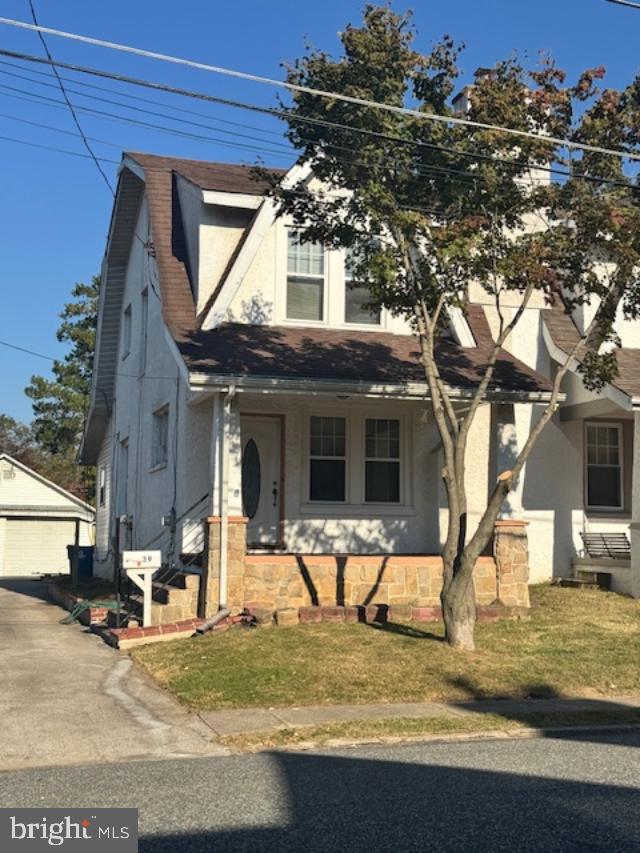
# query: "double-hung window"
{"type": "Point", "coordinates": [604, 466]}
{"type": "Point", "coordinates": [357, 296]}
{"type": "Point", "coordinates": [126, 331]}
{"type": "Point", "coordinates": [160, 438]}
{"type": "Point", "coordinates": [382, 461]}
{"type": "Point", "coordinates": [328, 459]}
{"type": "Point", "coordinates": [305, 278]}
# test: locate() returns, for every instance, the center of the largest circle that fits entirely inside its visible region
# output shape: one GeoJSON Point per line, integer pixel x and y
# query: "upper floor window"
{"type": "Point", "coordinates": [102, 486]}
{"type": "Point", "coordinates": [160, 438]}
{"type": "Point", "coordinates": [126, 331]}
{"type": "Point", "coordinates": [357, 295]}
{"type": "Point", "coordinates": [305, 278]}
{"type": "Point", "coordinates": [145, 324]}
{"type": "Point", "coordinates": [604, 465]}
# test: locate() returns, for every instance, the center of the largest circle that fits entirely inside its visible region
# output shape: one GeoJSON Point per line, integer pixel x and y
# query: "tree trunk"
{"type": "Point", "coordinates": [459, 609]}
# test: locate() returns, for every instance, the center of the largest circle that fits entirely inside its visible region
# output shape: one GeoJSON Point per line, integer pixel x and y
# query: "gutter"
{"type": "Point", "coordinates": [319, 387]}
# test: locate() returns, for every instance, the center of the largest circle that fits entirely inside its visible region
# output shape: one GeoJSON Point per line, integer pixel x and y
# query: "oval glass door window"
{"type": "Point", "coordinates": [251, 476]}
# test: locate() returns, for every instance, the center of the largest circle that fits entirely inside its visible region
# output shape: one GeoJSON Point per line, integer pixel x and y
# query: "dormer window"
{"type": "Point", "coordinates": [305, 278]}
{"type": "Point", "coordinates": [357, 296]}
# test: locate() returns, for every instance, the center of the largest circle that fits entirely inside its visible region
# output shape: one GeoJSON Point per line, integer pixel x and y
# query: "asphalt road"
{"type": "Point", "coordinates": [554, 794]}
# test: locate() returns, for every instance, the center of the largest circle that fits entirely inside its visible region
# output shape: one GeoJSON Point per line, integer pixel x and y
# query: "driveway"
{"type": "Point", "coordinates": [67, 698]}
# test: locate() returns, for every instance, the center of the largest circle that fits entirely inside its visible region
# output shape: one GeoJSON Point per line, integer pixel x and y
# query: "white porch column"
{"type": "Point", "coordinates": [635, 509]}
{"type": "Point", "coordinates": [225, 524]}
{"type": "Point", "coordinates": [505, 453]}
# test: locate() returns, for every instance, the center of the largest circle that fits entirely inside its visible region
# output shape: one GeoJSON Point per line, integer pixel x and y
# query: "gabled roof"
{"type": "Point", "coordinates": [156, 177]}
{"type": "Point", "coordinates": [565, 335]}
{"type": "Point", "coordinates": [178, 304]}
{"type": "Point", "coordinates": [4, 457]}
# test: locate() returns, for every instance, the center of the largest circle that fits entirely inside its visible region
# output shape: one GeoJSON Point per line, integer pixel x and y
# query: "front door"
{"type": "Point", "coordinates": [261, 479]}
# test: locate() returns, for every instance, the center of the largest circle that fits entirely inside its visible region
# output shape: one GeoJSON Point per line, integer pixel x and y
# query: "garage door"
{"type": "Point", "coordinates": [35, 547]}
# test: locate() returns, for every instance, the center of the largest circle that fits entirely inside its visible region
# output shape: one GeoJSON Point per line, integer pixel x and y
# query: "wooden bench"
{"type": "Point", "coordinates": [613, 546]}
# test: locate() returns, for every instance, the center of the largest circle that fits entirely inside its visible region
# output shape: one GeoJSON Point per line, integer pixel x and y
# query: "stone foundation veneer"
{"type": "Point", "coordinates": [236, 553]}
{"type": "Point", "coordinates": [273, 582]}
{"type": "Point", "coordinates": [510, 548]}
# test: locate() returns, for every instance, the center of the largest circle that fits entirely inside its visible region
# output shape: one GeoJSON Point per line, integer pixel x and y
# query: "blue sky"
{"type": "Point", "coordinates": [54, 208]}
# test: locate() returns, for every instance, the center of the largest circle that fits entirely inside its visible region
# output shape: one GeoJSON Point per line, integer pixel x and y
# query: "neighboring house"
{"type": "Point", "coordinates": [240, 378]}
{"type": "Point", "coordinates": [37, 521]}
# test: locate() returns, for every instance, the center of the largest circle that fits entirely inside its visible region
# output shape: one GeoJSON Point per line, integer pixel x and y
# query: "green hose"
{"type": "Point", "coordinates": [81, 606]}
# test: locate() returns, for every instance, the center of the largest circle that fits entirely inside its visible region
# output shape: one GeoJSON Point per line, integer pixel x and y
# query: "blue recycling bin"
{"type": "Point", "coordinates": [85, 560]}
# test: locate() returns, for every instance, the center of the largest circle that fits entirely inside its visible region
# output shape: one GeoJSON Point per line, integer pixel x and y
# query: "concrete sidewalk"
{"type": "Point", "coordinates": [247, 720]}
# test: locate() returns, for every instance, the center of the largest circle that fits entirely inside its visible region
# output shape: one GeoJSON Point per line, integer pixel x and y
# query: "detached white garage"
{"type": "Point", "coordinates": [37, 521]}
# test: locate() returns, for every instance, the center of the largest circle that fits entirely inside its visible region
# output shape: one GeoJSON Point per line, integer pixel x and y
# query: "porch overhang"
{"type": "Point", "coordinates": [201, 383]}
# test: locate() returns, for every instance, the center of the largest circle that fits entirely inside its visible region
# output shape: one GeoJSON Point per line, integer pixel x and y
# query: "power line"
{"type": "Point", "coordinates": [57, 130]}
{"type": "Point", "coordinates": [334, 96]}
{"type": "Point", "coordinates": [57, 150]}
{"type": "Point", "coordinates": [422, 168]}
{"type": "Point", "coordinates": [139, 99]}
{"type": "Point", "coordinates": [85, 141]}
{"type": "Point", "coordinates": [289, 116]}
{"type": "Point", "coordinates": [625, 3]}
{"type": "Point", "coordinates": [50, 358]}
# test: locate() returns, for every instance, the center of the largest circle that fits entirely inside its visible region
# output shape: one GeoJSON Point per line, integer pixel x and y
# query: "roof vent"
{"type": "Point", "coordinates": [7, 471]}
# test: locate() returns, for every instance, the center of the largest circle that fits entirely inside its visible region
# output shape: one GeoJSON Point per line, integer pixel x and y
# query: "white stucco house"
{"type": "Point", "coordinates": [239, 378]}
{"type": "Point", "coordinates": [38, 520]}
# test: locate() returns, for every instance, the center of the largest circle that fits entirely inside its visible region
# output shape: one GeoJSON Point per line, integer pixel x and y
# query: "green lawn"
{"type": "Point", "coordinates": [577, 642]}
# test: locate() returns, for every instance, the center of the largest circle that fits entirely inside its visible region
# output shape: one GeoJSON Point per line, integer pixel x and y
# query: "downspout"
{"type": "Point", "coordinates": [224, 496]}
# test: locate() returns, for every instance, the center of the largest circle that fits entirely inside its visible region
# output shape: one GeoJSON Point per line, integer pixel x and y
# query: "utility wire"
{"type": "Point", "coordinates": [57, 150]}
{"type": "Point", "coordinates": [58, 130]}
{"type": "Point", "coordinates": [289, 116]}
{"type": "Point", "coordinates": [334, 96]}
{"type": "Point", "coordinates": [625, 3]}
{"type": "Point", "coordinates": [85, 141]}
{"type": "Point", "coordinates": [130, 97]}
{"type": "Point", "coordinates": [50, 358]}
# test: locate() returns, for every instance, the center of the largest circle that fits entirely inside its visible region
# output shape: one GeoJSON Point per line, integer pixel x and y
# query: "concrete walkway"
{"type": "Point", "coordinates": [67, 698]}
{"type": "Point", "coordinates": [248, 720]}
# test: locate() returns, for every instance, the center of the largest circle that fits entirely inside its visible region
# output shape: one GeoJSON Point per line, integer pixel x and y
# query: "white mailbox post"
{"type": "Point", "coordinates": [141, 566]}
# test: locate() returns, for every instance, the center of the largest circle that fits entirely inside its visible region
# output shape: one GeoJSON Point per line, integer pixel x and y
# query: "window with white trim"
{"type": "Point", "coordinates": [604, 466]}
{"type": "Point", "coordinates": [126, 331]}
{"type": "Point", "coordinates": [382, 460]}
{"type": "Point", "coordinates": [327, 459]}
{"type": "Point", "coordinates": [160, 438]}
{"type": "Point", "coordinates": [305, 278]}
{"type": "Point", "coordinates": [102, 486]}
{"type": "Point", "coordinates": [357, 296]}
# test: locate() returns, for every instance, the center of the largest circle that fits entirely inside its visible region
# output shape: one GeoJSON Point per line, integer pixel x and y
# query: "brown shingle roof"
{"type": "Point", "coordinates": [565, 335]}
{"type": "Point", "coordinates": [178, 306]}
{"type": "Point", "coordinates": [235, 349]}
